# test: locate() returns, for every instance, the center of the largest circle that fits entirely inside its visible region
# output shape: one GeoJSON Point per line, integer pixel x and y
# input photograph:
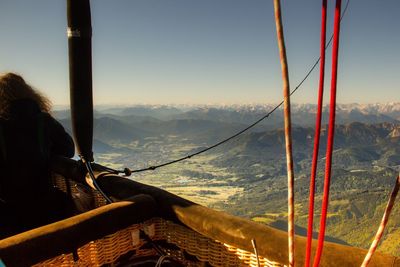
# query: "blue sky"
{"type": "Point", "coordinates": [203, 51]}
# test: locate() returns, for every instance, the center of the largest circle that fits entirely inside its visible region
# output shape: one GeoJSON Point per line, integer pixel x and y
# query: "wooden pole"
{"type": "Point", "coordinates": [383, 224]}
{"type": "Point", "coordinates": [288, 130]}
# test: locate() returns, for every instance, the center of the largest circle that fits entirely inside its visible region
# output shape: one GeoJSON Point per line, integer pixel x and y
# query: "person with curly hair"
{"type": "Point", "coordinates": [29, 138]}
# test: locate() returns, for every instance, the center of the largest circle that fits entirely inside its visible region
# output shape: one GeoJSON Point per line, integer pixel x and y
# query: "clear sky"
{"type": "Point", "coordinates": [203, 51]}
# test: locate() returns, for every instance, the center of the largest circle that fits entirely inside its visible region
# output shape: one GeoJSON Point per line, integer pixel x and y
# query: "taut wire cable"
{"type": "Point", "coordinates": [128, 171]}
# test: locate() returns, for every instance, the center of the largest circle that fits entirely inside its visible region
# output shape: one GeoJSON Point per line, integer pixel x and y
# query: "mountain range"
{"type": "Point", "coordinates": [365, 159]}
{"type": "Point", "coordinates": [210, 124]}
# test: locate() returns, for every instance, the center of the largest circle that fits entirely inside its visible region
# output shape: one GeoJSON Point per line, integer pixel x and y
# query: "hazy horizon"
{"type": "Point", "coordinates": [123, 105]}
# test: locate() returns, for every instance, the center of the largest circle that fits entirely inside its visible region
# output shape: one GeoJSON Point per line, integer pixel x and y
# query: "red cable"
{"type": "Point", "coordinates": [316, 135]}
{"type": "Point", "coordinates": [331, 131]}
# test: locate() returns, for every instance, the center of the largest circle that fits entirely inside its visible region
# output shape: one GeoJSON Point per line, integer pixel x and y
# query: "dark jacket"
{"type": "Point", "coordinates": [29, 139]}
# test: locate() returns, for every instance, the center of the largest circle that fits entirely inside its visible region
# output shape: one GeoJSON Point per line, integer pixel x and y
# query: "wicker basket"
{"type": "Point", "coordinates": [109, 249]}
{"type": "Point", "coordinates": [183, 243]}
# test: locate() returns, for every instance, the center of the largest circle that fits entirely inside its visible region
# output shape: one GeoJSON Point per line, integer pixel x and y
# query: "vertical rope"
{"type": "Point", "coordinates": [383, 224]}
{"type": "Point", "coordinates": [288, 130]}
{"type": "Point", "coordinates": [316, 135]}
{"type": "Point", "coordinates": [331, 132]}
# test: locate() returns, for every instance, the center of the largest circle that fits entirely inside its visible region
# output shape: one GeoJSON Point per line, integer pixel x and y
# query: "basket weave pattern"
{"type": "Point", "coordinates": [109, 249]}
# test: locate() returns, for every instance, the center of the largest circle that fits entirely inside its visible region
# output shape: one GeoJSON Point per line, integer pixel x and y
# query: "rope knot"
{"type": "Point", "coordinates": [127, 171]}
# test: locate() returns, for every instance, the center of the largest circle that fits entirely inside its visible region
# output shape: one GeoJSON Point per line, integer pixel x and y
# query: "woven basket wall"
{"type": "Point", "coordinates": [109, 249]}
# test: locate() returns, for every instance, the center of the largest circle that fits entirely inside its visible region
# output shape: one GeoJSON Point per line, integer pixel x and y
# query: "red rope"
{"type": "Point", "coordinates": [331, 131]}
{"type": "Point", "coordinates": [316, 135]}
{"type": "Point", "coordinates": [288, 130]}
{"type": "Point", "coordinates": [383, 224]}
